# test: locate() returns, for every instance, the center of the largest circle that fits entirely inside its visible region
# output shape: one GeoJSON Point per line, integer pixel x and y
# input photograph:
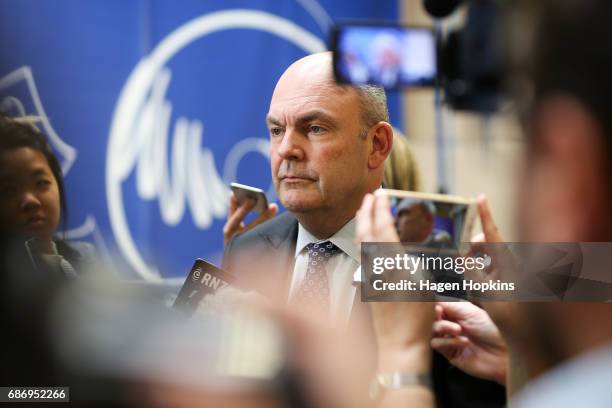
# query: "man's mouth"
{"type": "Point", "coordinates": [295, 179]}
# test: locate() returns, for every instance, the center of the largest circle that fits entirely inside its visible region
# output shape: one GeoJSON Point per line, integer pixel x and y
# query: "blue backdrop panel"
{"type": "Point", "coordinates": [154, 106]}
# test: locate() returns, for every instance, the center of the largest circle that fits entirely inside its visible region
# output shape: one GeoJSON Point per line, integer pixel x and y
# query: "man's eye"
{"type": "Point", "coordinates": [316, 129]}
{"type": "Point", "coordinates": [276, 131]}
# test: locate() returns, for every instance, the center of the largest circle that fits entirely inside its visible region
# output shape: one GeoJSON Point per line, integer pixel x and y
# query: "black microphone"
{"type": "Point", "coordinates": [440, 8]}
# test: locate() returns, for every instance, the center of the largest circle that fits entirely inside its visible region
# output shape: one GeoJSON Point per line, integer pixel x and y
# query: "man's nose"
{"type": "Point", "coordinates": [29, 200]}
{"type": "Point", "coordinates": [290, 147]}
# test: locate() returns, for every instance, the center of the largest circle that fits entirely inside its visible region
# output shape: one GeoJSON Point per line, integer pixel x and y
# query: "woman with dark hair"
{"type": "Point", "coordinates": [32, 198]}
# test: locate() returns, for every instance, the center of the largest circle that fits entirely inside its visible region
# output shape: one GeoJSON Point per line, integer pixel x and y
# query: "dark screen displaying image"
{"type": "Point", "coordinates": [388, 56]}
{"type": "Point", "coordinates": [434, 228]}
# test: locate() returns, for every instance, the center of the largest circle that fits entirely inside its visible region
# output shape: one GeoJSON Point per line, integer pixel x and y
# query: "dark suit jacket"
{"type": "Point", "coordinates": [263, 257]}
{"type": "Point", "coordinates": [267, 253]}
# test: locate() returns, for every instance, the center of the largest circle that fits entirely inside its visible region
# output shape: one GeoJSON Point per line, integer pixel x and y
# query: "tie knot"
{"type": "Point", "coordinates": [319, 253]}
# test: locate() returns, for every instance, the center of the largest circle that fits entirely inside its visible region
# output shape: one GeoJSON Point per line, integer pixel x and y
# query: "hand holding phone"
{"type": "Point", "coordinates": [243, 200]}
{"type": "Point", "coordinates": [243, 193]}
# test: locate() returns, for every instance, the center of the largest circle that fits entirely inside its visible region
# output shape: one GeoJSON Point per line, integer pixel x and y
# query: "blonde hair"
{"type": "Point", "coordinates": [401, 169]}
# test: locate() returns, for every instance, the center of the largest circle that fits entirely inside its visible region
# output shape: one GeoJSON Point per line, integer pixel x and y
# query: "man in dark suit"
{"type": "Point", "coordinates": [328, 145]}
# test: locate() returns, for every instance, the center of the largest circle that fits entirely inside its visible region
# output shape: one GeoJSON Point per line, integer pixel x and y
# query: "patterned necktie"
{"type": "Point", "coordinates": [314, 290]}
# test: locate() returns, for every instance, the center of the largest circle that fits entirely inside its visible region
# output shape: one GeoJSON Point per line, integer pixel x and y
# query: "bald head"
{"type": "Point", "coordinates": [324, 155]}
{"type": "Point", "coordinates": [315, 67]}
{"type": "Point", "coordinates": [316, 70]}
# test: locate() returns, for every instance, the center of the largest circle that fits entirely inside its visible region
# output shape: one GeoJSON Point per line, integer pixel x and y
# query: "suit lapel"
{"type": "Point", "coordinates": [281, 242]}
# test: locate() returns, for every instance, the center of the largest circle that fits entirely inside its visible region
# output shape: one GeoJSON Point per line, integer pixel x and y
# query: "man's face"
{"type": "Point", "coordinates": [318, 159]}
{"type": "Point", "coordinates": [414, 224]}
{"type": "Point", "coordinates": [29, 194]}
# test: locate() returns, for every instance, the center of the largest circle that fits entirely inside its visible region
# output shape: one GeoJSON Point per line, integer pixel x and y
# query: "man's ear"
{"type": "Point", "coordinates": [381, 136]}
{"type": "Point", "coordinates": [573, 170]}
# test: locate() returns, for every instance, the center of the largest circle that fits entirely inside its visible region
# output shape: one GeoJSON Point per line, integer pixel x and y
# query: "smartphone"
{"type": "Point", "coordinates": [436, 220]}
{"type": "Point", "coordinates": [434, 225]}
{"type": "Point", "coordinates": [243, 192]}
{"type": "Point", "coordinates": [392, 56]}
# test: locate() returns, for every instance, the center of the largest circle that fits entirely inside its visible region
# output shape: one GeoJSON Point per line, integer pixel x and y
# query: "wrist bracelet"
{"type": "Point", "coordinates": [397, 380]}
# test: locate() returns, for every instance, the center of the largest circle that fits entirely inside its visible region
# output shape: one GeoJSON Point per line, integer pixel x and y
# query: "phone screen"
{"type": "Point", "coordinates": [389, 56]}
{"type": "Point", "coordinates": [428, 222]}
{"type": "Point", "coordinates": [434, 225]}
{"type": "Point", "coordinates": [431, 219]}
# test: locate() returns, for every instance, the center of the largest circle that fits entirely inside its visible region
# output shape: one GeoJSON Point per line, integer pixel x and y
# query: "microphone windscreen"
{"type": "Point", "coordinates": [440, 8]}
{"type": "Point", "coordinates": [204, 279]}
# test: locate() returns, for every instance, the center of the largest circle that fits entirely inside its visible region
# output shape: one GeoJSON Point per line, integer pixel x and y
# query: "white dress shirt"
{"type": "Point", "coordinates": [340, 268]}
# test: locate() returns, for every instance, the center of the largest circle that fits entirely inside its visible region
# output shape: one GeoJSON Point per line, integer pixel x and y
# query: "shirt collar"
{"type": "Point", "coordinates": [343, 239]}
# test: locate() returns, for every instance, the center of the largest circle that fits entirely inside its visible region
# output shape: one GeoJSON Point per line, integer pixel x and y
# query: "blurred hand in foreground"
{"type": "Point", "coordinates": [507, 316]}
{"type": "Point", "coordinates": [504, 314]}
{"type": "Point", "coordinates": [403, 329]}
{"type": "Point", "coordinates": [374, 221]}
{"type": "Point", "coordinates": [468, 338]}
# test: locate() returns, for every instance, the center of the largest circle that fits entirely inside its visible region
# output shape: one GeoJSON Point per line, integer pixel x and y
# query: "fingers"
{"type": "Point", "coordinates": [269, 213]}
{"type": "Point", "coordinates": [234, 221]}
{"type": "Point", "coordinates": [449, 346]}
{"type": "Point", "coordinates": [237, 214]}
{"type": "Point", "coordinates": [489, 228]}
{"type": "Point", "coordinates": [241, 212]}
{"type": "Point", "coordinates": [439, 312]}
{"type": "Point", "coordinates": [476, 248]}
{"type": "Point", "coordinates": [263, 217]}
{"type": "Point", "coordinates": [478, 238]}
{"type": "Point", "coordinates": [374, 221]}
{"type": "Point", "coordinates": [382, 213]}
{"type": "Point", "coordinates": [445, 328]}
{"type": "Point", "coordinates": [458, 311]}
{"type": "Point", "coordinates": [233, 204]}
